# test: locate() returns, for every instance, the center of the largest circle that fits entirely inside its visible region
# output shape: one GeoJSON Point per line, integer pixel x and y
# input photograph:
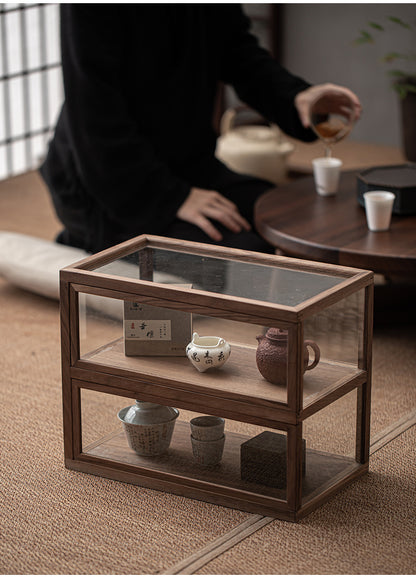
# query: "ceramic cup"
{"type": "Point", "coordinates": [378, 209]}
{"type": "Point", "coordinates": [207, 452]}
{"type": "Point", "coordinates": [326, 173]}
{"type": "Point", "coordinates": [207, 428]}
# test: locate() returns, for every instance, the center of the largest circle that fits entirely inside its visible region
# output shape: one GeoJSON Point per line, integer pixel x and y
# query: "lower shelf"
{"type": "Point", "coordinates": [322, 470]}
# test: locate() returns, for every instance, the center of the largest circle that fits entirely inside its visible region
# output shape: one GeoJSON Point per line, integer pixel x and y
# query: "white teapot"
{"type": "Point", "coordinates": [207, 352]}
{"type": "Point", "coordinates": [253, 149]}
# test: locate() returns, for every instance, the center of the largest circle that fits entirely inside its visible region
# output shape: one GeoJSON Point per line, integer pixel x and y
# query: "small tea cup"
{"type": "Point", "coordinates": [207, 428]}
{"type": "Point", "coordinates": [207, 452]}
{"type": "Point", "coordinates": [378, 209]}
{"type": "Point", "coordinates": [326, 173]}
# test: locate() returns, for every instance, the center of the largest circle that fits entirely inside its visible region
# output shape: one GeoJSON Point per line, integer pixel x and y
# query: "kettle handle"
{"type": "Point", "coordinates": [229, 116]}
{"type": "Point", "coordinates": [227, 120]}
{"type": "Point", "coordinates": [317, 352]}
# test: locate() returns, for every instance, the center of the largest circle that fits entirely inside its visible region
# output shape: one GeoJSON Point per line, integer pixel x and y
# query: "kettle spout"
{"type": "Point", "coordinates": [260, 338]}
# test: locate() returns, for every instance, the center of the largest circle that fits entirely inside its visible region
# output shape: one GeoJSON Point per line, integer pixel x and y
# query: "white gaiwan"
{"type": "Point", "coordinates": [207, 352]}
{"type": "Point", "coordinates": [148, 427]}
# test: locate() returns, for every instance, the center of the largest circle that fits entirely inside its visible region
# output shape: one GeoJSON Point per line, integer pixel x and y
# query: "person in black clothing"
{"type": "Point", "coordinates": [133, 149]}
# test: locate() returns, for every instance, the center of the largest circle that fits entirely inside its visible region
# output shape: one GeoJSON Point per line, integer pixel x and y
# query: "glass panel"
{"type": "Point", "coordinates": [233, 454]}
{"type": "Point", "coordinates": [100, 323]}
{"type": "Point", "coordinates": [335, 335]}
{"type": "Point", "coordinates": [153, 341]}
{"type": "Point", "coordinates": [330, 440]}
{"type": "Point", "coordinates": [260, 282]}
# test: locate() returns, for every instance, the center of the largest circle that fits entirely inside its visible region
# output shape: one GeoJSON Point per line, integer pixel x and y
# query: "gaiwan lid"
{"type": "Point", "coordinates": [144, 413]}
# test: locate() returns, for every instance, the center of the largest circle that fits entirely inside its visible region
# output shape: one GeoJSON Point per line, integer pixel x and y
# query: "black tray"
{"type": "Point", "coordinates": [399, 179]}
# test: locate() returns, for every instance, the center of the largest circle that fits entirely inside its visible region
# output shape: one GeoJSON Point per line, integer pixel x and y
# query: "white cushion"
{"type": "Point", "coordinates": [33, 263]}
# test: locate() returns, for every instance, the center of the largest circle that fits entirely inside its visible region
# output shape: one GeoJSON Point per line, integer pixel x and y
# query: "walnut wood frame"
{"type": "Point", "coordinates": [83, 373]}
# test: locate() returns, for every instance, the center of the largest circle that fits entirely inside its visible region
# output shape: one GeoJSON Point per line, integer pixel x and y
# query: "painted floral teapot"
{"type": "Point", "coordinates": [272, 356]}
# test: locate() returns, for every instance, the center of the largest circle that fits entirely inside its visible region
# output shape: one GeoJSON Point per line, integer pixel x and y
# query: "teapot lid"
{"type": "Point", "coordinates": [276, 334]}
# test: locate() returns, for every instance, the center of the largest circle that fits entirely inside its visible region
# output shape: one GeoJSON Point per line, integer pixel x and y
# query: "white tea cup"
{"type": "Point", "coordinates": [326, 172]}
{"type": "Point", "coordinates": [378, 209]}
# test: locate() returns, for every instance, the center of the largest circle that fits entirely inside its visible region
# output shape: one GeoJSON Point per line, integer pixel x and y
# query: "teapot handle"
{"type": "Point", "coordinates": [277, 132]}
{"type": "Point", "coordinates": [229, 115]}
{"type": "Point", "coordinates": [227, 120]}
{"type": "Point", "coordinates": [316, 351]}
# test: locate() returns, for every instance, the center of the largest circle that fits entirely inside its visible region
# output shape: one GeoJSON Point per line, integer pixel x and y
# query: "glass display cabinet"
{"type": "Point", "coordinates": [287, 367]}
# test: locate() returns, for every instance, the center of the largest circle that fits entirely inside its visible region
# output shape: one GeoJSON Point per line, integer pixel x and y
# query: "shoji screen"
{"type": "Point", "coordinates": [30, 83]}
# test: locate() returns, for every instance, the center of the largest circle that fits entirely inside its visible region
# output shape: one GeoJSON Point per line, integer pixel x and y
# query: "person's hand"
{"type": "Point", "coordinates": [202, 205]}
{"type": "Point", "coordinates": [334, 99]}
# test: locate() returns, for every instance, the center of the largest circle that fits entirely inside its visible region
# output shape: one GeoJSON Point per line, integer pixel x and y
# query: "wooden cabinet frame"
{"type": "Point", "coordinates": [123, 379]}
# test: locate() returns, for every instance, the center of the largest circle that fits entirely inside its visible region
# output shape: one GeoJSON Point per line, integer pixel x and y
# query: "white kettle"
{"type": "Point", "coordinates": [253, 149]}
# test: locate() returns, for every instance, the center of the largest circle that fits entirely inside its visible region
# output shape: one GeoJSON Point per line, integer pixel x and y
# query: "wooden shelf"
{"type": "Point", "coordinates": [238, 378]}
{"type": "Point", "coordinates": [321, 468]}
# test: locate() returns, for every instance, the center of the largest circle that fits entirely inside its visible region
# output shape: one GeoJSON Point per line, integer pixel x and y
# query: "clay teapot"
{"type": "Point", "coordinates": [271, 356]}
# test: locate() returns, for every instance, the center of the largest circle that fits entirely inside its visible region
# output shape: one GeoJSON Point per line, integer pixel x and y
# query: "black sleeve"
{"type": "Point", "coordinates": [117, 165]}
{"type": "Point", "coordinates": [257, 78]}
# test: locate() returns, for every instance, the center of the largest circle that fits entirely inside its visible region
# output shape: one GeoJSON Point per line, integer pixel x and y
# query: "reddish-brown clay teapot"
{"type": "Point", "coordinates": [271, 356]}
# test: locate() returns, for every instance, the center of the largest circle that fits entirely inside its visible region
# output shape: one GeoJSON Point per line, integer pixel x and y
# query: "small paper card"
{"type": "Point", "coordinates": [143, 330]}
{"type": "Point", "coordinates": [155, 331]}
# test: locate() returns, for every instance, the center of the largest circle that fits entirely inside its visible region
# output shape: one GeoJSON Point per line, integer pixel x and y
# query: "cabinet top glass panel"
{"type": "Point", "coordinates": [240, 274]}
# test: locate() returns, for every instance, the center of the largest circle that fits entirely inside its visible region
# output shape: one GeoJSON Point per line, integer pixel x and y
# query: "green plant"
{"type": "Point", "coordinates": [404, 81]}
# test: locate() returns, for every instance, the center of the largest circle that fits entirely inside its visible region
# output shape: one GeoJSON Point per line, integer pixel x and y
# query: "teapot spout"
{"type": "Point", "coordinates": [260, 338]}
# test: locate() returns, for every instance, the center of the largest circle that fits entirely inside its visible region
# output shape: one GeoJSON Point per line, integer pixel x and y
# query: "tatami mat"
{"type": "Point", "coordinates": [56, 521]}
{"type": "Point", "coordinates": [369, 528]}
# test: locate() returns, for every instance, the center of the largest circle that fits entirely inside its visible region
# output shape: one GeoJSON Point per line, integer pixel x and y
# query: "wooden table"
{"type": "Point", "coordinates": [299, 222]}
